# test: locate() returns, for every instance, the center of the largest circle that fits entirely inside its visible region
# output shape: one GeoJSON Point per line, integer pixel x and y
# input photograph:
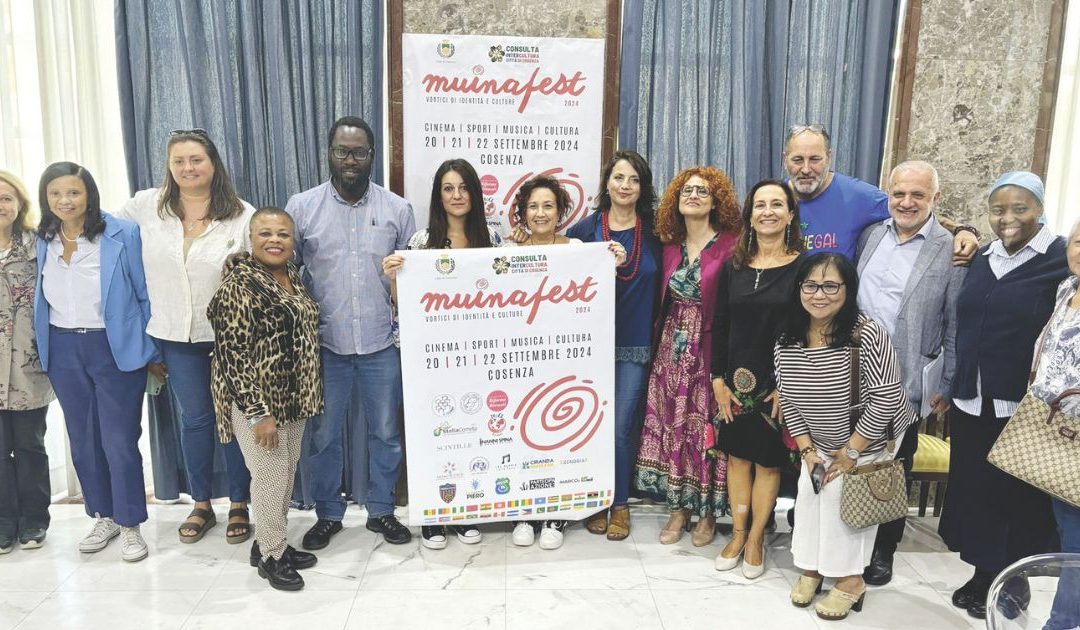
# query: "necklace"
{"type": "Point", "coordinates": [633, 260]}
{"type": "Point", "coordinates": [65, 236]}
{"type": "Point", "coordinates": [194, 223]}
{"type": "Point", "coordinates": [554, 237]}
{"type": "Point", "coordinates": [757, 277]}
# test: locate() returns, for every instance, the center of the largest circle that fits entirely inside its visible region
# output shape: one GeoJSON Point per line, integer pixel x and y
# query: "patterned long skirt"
{"type": "Point", "coordinates": [673, 464]}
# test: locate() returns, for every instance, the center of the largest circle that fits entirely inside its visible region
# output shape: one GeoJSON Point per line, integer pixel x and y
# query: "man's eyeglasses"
{"type": "Point", "coordinates": [198, 131]}
{"type": "Point", "coordinates": [795, 130]}
{"type": "Point", "coordinates": [360, 155]}
{"type": "Point", "coordinates": [695, 191]}
{"type": "Point", "coordinates": [828, 288]}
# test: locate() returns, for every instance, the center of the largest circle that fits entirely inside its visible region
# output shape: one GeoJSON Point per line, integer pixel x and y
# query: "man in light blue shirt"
{"type": "Point", "coordinates": [344, 228]}
{"type": "Point", "coordinates": [908, 284]}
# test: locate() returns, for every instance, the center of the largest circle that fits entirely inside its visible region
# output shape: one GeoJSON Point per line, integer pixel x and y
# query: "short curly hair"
{"type": "Point", "coordinates": [521, 199]}
{"type": "Point", "coordinates": [724, 216]}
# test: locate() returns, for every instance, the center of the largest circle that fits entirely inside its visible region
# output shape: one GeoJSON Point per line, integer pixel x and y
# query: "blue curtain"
{"type": "Point", "coordinates": [719, 82]}
{"type": "Point", "coordinates": [266, 79]}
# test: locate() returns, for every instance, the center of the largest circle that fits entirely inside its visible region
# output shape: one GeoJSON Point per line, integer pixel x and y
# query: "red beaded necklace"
{"type": "Point", "coordinates": [634, 259]}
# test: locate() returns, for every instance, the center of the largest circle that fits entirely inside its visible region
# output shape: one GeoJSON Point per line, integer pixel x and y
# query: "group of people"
{"type": "Point", "coordinates": [733, 365]}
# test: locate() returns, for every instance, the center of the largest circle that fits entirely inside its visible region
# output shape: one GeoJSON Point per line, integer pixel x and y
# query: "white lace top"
{"type": "Point", "coordinates": [1059, 364]}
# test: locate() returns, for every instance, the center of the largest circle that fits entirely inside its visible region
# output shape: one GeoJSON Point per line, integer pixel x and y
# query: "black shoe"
{"type": "Point", "coordinates": [879, 573]}
{"type": "Point", "coordinates": [32, 538]}
{"type": "Point", "coordinates": [280, 574]}
{"type": "Point", "coordinates": [319, 535]}
{"type": "Point", "coordinates": [7, 543]}
{"type": "Point", "coordinates": [1014, 598]}
{"type": "Point", "coordinates": [433, 537]}
{"type": "Point", "coordinates": [300, 560]}
{"type": "Point", "coordinates": [392, 530]}
{"type": "Point", "coordinates": [791, 518]}
{"type": "Point", "coordinates": [973, 592]}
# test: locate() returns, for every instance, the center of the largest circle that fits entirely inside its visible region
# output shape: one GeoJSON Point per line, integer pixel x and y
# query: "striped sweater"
{"type": "Point", "coordinates": [814, 386]}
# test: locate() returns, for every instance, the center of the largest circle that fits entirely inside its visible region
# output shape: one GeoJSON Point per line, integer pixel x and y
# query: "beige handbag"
{"type": "Point", "coordinates": [873, 493]}
{"type": "Point", "coordinates": [1040, 445]}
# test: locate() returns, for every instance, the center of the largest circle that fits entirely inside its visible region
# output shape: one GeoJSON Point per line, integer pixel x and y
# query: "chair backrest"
{"type": "Point", "coordinates": [1054, 580]}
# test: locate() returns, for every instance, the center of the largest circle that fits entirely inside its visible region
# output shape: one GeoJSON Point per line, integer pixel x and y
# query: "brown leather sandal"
{"type": "Point", "coordinates": [237, 538]}
{"type": "Point", "coordinates": [200, 529]}
{"type": "Point", "coordinates": [597, 523]}
{"type": "Point", "coordinates": [619, 525]}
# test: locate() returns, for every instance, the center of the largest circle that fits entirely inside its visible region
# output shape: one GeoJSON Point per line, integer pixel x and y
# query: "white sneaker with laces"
{"type": "Point", "coordinates": [523, 535]}
{"type": "Point", "coordinates": [132, 546]}
{"type": "Point", "coordinates": [551, 536]}
{"type": "Point", "coordinates": [103, 532]}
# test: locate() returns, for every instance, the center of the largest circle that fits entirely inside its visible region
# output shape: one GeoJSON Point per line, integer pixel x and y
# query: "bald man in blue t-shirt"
{"type": "Point", "coordinates": [835, 208]}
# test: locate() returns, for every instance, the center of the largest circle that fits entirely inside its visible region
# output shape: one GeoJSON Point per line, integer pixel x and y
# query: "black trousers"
{"type": "Point", "coordinates": [890, 534]}
{"type": "Point", "coordinates": [24, 471]}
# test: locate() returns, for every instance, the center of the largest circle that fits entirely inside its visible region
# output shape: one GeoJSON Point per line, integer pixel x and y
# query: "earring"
{"type": "Point", "coordinates": [750, 240]}
{"type": "Point", "coordinates": [787, 233]}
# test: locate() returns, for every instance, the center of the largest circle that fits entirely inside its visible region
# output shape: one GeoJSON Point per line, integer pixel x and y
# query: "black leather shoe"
{"type": "Point", "coordinates": [319, 535]}
{"type": "Point", "coordinates": [392, 530]}
{"type": "Point", "coordinates": [879, 573]}
{"type": "Point", "coordinates": [973, 592]}
{"type": "Point", "coordinates": [300, 560]}
{"type": "Point", "coordinates": [1014, 598]}
{"type": "Point", "coordinates": [280, 574]}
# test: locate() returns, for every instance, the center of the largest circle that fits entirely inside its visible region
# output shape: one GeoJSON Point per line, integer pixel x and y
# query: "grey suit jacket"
{"type": "Point", "coordinates": [926, 322]}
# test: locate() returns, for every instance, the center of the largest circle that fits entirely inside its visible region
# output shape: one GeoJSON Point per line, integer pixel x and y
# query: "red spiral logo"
{"type": "Point", "coordinates": [568, 413]}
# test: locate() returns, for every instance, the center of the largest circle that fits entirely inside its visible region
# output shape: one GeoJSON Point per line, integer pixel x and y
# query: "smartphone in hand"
{"type": "Point", "coordinates": [817, 477]}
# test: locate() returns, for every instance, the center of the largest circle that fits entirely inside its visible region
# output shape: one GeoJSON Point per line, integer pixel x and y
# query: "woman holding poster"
{"type": "Point", "coordinates": [455, 221]}
{"type": "Point", "coordinates": [539, 205]}
{"type": "Point", "coordinates": [624, 213]}
{"type": "Point", "coordinates": [698, 221]}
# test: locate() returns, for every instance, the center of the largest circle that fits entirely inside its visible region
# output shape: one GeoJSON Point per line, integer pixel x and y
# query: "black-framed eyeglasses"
{"type": "Point", "coordinates": [828, 288]}
{"type": "Point", "coordinates": [198, 131]}
{"type": "Point", "coordinates": [695, 191]}
{"type": "Point", "coordinates": [360, 155]}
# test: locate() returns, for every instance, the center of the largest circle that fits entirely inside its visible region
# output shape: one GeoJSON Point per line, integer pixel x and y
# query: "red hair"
{"type": "Point", "coordinates": [723, 217]}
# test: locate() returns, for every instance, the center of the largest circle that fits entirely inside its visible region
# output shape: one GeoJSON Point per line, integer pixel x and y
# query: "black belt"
{"type": "Point", "coordinates": [79, 331]}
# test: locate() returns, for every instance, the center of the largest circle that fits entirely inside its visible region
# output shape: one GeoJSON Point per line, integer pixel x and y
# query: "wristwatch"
{"type": "Point", "coordinates": [851, 453]}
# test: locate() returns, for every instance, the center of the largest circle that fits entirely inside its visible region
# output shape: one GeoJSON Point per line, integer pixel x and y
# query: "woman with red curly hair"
{"type": "Point", "coordinates": [698, 222]}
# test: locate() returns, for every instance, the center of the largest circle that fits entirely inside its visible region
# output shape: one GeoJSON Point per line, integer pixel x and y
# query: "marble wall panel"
{"type": "Point", "coordinates": [985, 29]}
{"type": "Point", "coordinates": [532, 18]}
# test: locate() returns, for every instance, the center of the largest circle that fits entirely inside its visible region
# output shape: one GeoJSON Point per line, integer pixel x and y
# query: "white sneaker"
{"type": "Point", "coordinates": [104, 531]}
{"type": "Point", "coordinates": [551, 536]}
{"type": "Point", "coordinates": [468, 534]}
{"type": "Point", "coordinates": [523, 535]}
{"type": "Point", "coordinates": [132, 546]}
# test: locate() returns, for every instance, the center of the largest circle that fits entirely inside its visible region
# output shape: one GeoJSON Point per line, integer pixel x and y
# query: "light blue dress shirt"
{"type": "Point", "coordinates": [882, 282]}
{"type": "Point", "coordinates": [341, 247]}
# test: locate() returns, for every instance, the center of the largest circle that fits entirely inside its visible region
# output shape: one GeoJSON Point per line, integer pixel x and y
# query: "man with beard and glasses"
{"type": "Point", "coordinates": [835, 208]}
{"type": "Point", "coordinates": [344, 228]}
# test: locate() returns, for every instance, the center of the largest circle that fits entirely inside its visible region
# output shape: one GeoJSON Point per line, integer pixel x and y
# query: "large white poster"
{"type": "Point", "coordinates": [507, 359]}
{"type": "Point", "coordinates": [514, 107]}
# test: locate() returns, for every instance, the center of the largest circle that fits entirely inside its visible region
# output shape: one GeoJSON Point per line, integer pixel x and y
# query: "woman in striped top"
{"type": "Point", "coordinates": [813, 374]}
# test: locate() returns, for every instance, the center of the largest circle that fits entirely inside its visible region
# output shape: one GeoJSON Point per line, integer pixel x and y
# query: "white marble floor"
{"type": "Point", "coordinates": [361, 582]}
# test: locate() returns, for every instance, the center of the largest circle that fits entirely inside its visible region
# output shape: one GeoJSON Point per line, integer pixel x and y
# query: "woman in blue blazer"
{"type": "Point", "coordinates": [90, 315]}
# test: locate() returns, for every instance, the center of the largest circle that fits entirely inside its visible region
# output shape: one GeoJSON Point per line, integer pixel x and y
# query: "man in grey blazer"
{"type": "Point", "coordinates": [908, 284]}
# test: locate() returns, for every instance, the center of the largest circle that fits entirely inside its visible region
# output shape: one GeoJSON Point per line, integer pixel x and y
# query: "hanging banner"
{"type": "Point", "coordinates": [514, 107]}
{"type": "Point", "coordinates": [508, 367]}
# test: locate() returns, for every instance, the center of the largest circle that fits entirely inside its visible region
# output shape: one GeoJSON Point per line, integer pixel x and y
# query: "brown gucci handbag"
{"type": "Point", "coordinates": [873, 493]}
{"type": "Point", "coordinates": [1041, 445]}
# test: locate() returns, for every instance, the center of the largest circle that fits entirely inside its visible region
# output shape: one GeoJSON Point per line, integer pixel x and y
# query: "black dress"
{"type": "Point", "coordinates": [751, 305]}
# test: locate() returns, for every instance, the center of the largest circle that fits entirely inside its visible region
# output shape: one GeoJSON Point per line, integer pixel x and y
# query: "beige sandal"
{"type": "Point", "coordinates": [836, 604]}
{"type": "Point", "coordinates": [671, 535]}
{"type": "Point", "coordinates": [704, 532]}
{"type": "Point", "coordinates": [802, 594]}
{"type": "Point", "coordinates": [619, 526]}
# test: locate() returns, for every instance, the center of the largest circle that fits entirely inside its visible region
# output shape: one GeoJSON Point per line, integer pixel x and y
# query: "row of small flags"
{"type": "Point", "coordinates": [519, 507]}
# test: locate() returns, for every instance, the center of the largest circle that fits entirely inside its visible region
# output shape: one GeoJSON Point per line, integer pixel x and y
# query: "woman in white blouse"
{"type": "Point", "coordinates": [189, 227]}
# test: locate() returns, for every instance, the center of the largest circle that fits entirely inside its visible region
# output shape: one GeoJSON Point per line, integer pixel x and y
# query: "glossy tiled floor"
{"type": "Point", "coordinates": [361, 582]}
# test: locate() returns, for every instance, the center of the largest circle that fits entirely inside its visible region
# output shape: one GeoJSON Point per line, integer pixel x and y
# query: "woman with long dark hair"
{"type": "Point", "coordinates": [190, 226]}
{"type": "Point", "coordinates": [624, 213]}
{"type": "Point", "coordinates": [90, 314]}
{"type": "Point", "coordinates": [24, 389]}
{"type": "Point", "coordinates": [751, 302]}
{"type": "Point", "coordinates": [456, 220]}
{"type": "Point", "coordinates": [813, 362]}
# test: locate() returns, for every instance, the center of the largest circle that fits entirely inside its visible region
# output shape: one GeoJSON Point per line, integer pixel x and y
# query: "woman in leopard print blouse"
{"type": "Point", "coordinates": [266, 381]}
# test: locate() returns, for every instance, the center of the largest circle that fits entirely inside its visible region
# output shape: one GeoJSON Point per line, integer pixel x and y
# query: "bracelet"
{"type": "Point", "coordinates": [966, 228]}
{"type": "Point", "coordinates": [806, 451]}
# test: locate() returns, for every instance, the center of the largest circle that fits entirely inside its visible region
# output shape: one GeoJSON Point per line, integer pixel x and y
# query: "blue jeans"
{"type": "Point", "coordinates": [103, 413]}
{"type": "Point", "coordinates": [1066, 610]}
{"type": "Point", "coordinates": [189, 377]}
{"type": "Point", "coordinates": [379, 377]}
{"type": "Point", "coordinates": [630, 387]}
